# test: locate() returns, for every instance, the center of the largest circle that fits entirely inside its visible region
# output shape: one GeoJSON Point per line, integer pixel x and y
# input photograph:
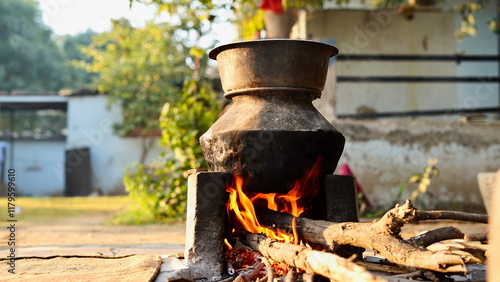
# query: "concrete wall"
{"type": "Point", "coordinates": [430, 31]}
{"type": "Point", "coordinates": [90, 124]}
{"type": "Point", "coordinates": [37, 166]}
{"type": "Point", "coordinates": [471, 95]}
{"type": "Point", "coordinates": [384, 32]}
{"type": "Point", "coordinates": [384, 153]}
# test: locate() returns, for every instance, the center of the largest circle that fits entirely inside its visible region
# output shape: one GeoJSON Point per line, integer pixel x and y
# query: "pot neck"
{"type": "Point", "coordinates": [299, 93]}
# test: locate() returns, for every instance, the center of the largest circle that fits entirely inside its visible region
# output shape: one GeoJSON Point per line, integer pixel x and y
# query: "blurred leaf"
{"type": "Point", "coordinates": [422, 187]}
{"type": "Point", "coordinates": [401, 189]}
{"type": "Point", "coordinates": [415, 178]}
{"type": "Point", "coordinates": [425, 181]}
{"type": "Point", "coordinates": [422, 179]}
{"type": "Point", "coordinates": [435, 170]}
{"type": "Point", "coordinates": [197, 52]}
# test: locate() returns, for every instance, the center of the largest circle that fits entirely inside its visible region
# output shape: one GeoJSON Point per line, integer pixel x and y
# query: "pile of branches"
{"type": "Point", "coordinates": [381, 236]}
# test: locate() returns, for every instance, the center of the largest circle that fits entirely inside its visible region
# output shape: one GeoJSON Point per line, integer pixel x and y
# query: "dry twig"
{"type": "Point", "coordinates": [251, 271]}
{"type": "Point", "coordinates": [430, 237]}
{"type": "Point", "coordinates": [269, 267]}
{"type": "Point", "coordinates": [311, 261]}
{"type": "Point", "coordinates": [382, 236]}
{"type": "Point", "coordinates": [481, 237]}
{"type": "Point", "coordinates": [290, 275]}
{"type": "Point", "coordinates": [451, 215]}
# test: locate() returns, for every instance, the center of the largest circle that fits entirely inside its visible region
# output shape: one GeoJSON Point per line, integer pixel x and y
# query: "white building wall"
{"type": "Point", "coordinates": [37, 165]}
{"type": "Point", "coordinates": [90, 125]}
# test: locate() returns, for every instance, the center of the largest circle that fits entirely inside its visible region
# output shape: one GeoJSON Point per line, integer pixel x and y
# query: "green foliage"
{"type": "Point", "coordinates": [140, 69]}
{"type": "Point", "coordinates": [309, 4]}
{"type": "Point", "coordinates": [251, 19]}
{"type": "Point", "coordinates": [75, 62]}
{"type": "Point", "coordinates": [159, 190]}
{"type": "Point", "coordinates": [200, 14]}
{"type": "Point", "coordinates": [35, 123]}
{"type": "Point", "coordinates": [29, 58]}
{"type": "Point", "coordinates": [372, 213]}
{"type": "Point", "coordinates": [195, 18]}
{"type": "Point", "coordinates": [422, 180]}
{"type": "Point", "coordinates": [32, 61]}
{"type": "Point", "coordinates": [467, 22]}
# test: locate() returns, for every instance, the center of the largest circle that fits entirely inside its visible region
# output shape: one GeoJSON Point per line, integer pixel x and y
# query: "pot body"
{"type": "Point", "coordinates": [271, 139]}
{"type": "Point", "coordinates": [272, 134]}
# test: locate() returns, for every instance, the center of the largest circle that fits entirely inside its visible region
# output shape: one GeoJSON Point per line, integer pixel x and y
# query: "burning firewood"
{"type": "Point", "coordinates": [311, 261]}
{"type": "Point", "coordinates": [250, 272]}
{"type": "Point", "coordinates": [381, 236]}
{"type": "Point", "coordinates": [270, 271]}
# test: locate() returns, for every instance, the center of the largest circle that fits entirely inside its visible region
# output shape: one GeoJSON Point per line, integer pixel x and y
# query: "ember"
{"type": "Point", "coordinates": [242, 261]}
{"type": "Point", "coordinates": [242, 207]}
{"type": "Point", "coordinates": [241, 258]}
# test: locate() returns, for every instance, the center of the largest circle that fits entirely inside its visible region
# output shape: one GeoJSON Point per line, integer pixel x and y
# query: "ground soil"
{"type": "Point", "coordinates": [93, 230]}
{"type": "Point", "coordinates": [89, 235]}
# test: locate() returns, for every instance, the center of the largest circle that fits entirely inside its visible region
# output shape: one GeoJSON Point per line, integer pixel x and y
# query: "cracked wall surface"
{"type": "Point", "coordinates": [383, 153]}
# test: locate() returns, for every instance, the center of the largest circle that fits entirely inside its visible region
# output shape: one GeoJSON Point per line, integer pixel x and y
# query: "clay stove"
{"type": "Point", "coordinates": [270, 136]}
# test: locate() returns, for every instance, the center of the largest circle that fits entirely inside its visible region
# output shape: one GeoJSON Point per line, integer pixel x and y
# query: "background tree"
{"type": "Point", "coordinates": [144, 70]}
{"type": "Point", "coordinates": [75, 61]}
{"type": "Point", "coordinates": [253, 16]}
{"type": "Point", "coordinates": [29, 60]}
{"type": "Point", "coordinates": [159, 189]}
{"type": "Point", "coordinates": [32, 61]}
{"type": "Point", "coordinates": [140, 69]}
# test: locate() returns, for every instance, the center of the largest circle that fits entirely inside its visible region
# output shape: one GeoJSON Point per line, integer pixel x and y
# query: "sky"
{"type": "Point", "coordinates": [75, 16]}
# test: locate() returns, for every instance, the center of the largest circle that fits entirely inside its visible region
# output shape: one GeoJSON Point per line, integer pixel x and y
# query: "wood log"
{"type": "Point", "coordinates": [430, 237]}
{"type": "Point", "coordinates": [381, 236]}
{"type": "Point", "coordinates": [326, 264]}
{"type": "Point", "coordinates": [381, 266]}
{"type": "Point", "coordinates": [482, 237]}
{"type": "Point", "coordinates": [451, 215]}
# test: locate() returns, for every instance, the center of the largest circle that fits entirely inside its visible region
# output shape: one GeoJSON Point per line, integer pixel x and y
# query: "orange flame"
{"type": "Point", "coordinates": [244, 211]}
{"type": "Point", "coordinates": [227, 244]}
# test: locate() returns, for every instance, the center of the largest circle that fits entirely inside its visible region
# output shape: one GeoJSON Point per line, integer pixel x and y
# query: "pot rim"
{"type": "Point", "coordinates": [219, 49]}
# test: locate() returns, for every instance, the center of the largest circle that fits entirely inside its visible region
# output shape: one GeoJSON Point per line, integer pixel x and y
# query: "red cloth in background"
{"type": "Point", "coordinates": [272, 5]}
{"type": "Point", "coordinates": [344, 169]}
